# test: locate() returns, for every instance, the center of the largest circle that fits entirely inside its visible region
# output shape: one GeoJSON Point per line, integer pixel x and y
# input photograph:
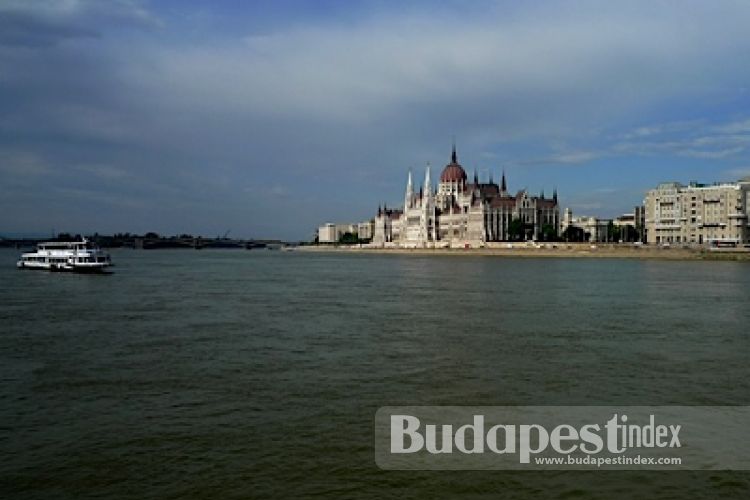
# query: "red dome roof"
{"type": "Point", "coordinates": [453, 172]}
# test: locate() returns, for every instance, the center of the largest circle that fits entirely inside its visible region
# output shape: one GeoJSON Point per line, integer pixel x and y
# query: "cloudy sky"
{"type": "Point", "coordinates": [268, 118]}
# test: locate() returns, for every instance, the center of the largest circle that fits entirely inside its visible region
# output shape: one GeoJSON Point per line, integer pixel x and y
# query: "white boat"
{"type": "Point", "coordinates": [76, 256]}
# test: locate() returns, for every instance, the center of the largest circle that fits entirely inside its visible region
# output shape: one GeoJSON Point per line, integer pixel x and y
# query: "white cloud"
{"type": "Point", "coordinates": [525, 76]}
{"type": "Point", "coordinates": [692, 139]}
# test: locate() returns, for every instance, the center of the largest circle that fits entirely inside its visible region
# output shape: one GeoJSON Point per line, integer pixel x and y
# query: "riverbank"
{"type": "Point", "coordinates": [558, 250]}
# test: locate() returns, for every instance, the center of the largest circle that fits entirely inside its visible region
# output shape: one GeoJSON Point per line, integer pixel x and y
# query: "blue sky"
{"type": "Point", "coordinates": [270, 118]}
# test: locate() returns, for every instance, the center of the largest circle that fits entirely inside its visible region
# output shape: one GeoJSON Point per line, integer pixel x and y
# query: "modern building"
{"type": "Point", "coordinates": [698, 213]}
{"type": "Point", "coordinates": [328, 233]}
{"type": "Point", "coordinates": [332, 233]}
{"type": "Point", "coordinates": [640, 223]}
{"type": "Point", "coordinates": [365, 230]}
{"type": "Point", "coordinates": [460, 213]}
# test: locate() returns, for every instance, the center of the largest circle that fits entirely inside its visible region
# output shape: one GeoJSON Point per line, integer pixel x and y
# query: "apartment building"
{"type": "Point", "coordinates": [698, 213]}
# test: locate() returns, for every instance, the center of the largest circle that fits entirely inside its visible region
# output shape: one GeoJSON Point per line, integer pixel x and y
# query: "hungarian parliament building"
{"type": "Point", "coordinates": [461, 213]}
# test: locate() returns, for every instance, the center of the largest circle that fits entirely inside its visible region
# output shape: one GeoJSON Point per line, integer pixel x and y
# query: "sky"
{"type": "Point", "coordinates": [267, 119]}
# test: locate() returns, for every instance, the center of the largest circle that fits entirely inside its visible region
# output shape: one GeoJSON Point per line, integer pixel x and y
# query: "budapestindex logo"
{"type": "Point", "coordinates": [525, 440]}
{"type": "Point", "coordinates": [661, 438]}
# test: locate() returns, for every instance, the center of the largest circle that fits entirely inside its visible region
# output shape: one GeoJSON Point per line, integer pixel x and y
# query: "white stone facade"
{"type": "Point", "coordinates": [460, 214]}
{"type": "Point", "coordinates": [698, 213]}
{"type": "Point", "coordinates": [595, 229]}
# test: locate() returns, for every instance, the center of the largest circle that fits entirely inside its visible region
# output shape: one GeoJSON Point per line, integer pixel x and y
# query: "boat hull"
{"type": "Point", "coordinates": [66, 268]}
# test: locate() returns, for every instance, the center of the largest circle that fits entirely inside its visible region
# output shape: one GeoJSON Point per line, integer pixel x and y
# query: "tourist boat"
{"type": "Point", "coordinates": [75, 256]}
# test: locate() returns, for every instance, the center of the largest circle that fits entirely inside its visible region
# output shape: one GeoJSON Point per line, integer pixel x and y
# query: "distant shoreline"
{"type": "Point", "coordinates": [560, 250]}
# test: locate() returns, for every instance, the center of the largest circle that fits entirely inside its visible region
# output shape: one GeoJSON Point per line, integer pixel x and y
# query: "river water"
{"type": "Point", "coordinates": [257, 374]}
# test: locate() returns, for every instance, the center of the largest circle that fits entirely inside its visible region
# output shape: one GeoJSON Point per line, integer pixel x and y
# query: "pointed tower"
{"type": "Point", "coordinates": [554, 195]}
{"type": "Point", "coordinates": [409, 196]}
{"type": "Point", "coordinates": [503, 186]}
{"type": "Point", "coordinates": [427, 185]}
{"type": "Point", "coordinates": [426, 219]}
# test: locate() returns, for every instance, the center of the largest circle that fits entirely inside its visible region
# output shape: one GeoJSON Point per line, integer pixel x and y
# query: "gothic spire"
{"type": "Point", "coordinates": [503, 187]}
{"type": "Point", "coordinates": [409, 192]}
{"type": "Point", "coordinates": [454, 157]}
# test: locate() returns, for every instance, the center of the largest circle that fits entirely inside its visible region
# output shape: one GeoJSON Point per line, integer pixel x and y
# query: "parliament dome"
{"type": "Point", "coordinates": [453, 172]}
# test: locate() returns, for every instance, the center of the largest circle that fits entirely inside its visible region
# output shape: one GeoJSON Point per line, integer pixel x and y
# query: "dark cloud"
{"type": "Point", "coordinates": [123, 122]}
{"type": "Point", "coordinates": [25, 29]}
